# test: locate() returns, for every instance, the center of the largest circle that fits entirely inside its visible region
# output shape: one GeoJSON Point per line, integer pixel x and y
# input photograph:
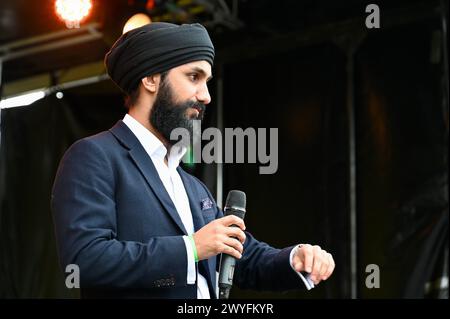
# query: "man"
{"type": "Point", "coordinates": [136, 223]}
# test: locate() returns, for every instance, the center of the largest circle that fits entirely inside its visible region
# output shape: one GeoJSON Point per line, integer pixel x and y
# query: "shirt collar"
{"type": "Point", "coordinates": [152, 145]}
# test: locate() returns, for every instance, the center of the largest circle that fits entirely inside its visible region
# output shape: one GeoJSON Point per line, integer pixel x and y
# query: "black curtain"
{"type": "Point", "coordinates": [401, 148]}
{"type": "Point", "coordinates": [33, 140]}
{"type": "Point", "coordinates": [302, 93]}
{"type": "Point", "coordinates": [402, 169]}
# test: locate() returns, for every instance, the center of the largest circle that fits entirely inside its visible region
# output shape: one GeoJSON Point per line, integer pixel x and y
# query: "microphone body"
{"type": "Point", "coordinates": [234, 205]}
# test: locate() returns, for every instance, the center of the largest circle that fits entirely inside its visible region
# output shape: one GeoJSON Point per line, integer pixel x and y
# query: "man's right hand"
{"type": "Point", "coordinates": [217, 237]}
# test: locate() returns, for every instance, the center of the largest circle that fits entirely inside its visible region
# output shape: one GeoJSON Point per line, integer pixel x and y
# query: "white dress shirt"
{"type": "Point", "coordinates": [175, 188]}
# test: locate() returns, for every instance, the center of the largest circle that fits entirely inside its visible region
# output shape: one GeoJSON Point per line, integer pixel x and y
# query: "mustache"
{"type": "Point", "coordinates": [200, 107]}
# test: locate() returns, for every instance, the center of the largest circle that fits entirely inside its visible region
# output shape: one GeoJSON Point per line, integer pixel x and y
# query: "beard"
{"type": "Point", "coordinates": [167, 115]}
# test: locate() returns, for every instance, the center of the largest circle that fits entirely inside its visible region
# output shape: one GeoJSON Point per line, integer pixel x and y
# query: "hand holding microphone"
{"type": "Point", "coordinates": [217, 237]}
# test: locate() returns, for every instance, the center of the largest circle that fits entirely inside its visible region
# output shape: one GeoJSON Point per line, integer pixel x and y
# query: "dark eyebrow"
{"type": "Point", "coordinates": [201, 71]}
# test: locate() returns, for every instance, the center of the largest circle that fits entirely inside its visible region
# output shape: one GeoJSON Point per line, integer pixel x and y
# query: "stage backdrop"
{"type": "Point", "coordinates": [401, 148]}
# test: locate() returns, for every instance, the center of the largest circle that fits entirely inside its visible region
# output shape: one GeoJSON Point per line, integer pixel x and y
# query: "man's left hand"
{"type": "Point", "coordinates": [314, 260]}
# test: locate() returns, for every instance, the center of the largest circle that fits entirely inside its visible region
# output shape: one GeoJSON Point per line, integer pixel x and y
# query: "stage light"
{"type": "Point", "coordinates": [59, 95]}
{"type": "Point", "coordinates": [136, 21]}
{"type": "Point", "coordinates": [22, 100]}
{"type": "Point", "coordinates": [73, 11]}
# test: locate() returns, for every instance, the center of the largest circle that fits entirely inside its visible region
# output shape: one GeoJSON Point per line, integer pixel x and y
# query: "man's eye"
{"type": "Point", "coordinates": [193, 77]}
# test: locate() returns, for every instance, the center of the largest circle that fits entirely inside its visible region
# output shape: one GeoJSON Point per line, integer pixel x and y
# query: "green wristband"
{"type": "Point", "coordinates": [194, 248]}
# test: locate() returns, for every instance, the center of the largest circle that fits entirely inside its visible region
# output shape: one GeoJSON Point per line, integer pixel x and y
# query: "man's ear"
{"type": "Point", "coordinates": [151, 82]}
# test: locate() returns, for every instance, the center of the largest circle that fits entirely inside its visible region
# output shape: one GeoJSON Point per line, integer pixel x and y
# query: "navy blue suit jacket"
{"type": "Point", "coordinates": [115, 220]}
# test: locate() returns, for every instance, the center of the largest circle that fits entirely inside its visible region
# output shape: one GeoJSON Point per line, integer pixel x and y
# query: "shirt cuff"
{"type": "Point", "coordinates": [191, 272]}
{"type": "Point", "coordinates": [304, 277]}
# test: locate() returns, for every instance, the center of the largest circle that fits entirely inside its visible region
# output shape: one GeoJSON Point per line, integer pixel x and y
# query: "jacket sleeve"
{"type": "Point", "coordinates": [84, 214]}
{"type": "Point", "coordinates": [263, 267]}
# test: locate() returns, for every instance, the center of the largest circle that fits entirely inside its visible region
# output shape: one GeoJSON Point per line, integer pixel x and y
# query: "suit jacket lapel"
{"type": "Point", "coordinates": [147, 169]}
{"type": "Point", "coordinates": [194, 200]}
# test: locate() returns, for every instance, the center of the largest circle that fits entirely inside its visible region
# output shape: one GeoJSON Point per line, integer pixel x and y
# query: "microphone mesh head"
{"type": "Point", "coordinates": [236, 199]}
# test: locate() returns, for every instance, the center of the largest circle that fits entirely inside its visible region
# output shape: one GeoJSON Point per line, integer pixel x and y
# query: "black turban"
{"type": "Point", "coordinates": [155, 48]}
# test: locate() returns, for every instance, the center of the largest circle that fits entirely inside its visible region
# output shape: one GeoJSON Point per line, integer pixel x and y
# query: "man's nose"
{"type": "Point", "coordinates": [203, 95]}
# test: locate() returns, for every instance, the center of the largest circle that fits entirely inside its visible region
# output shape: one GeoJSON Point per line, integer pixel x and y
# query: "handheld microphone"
{"type": "Point", "coordinates": [234, 205]}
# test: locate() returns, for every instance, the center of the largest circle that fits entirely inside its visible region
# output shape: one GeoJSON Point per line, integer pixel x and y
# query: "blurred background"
{"type": "Point", "coordinates": [362, 116]}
